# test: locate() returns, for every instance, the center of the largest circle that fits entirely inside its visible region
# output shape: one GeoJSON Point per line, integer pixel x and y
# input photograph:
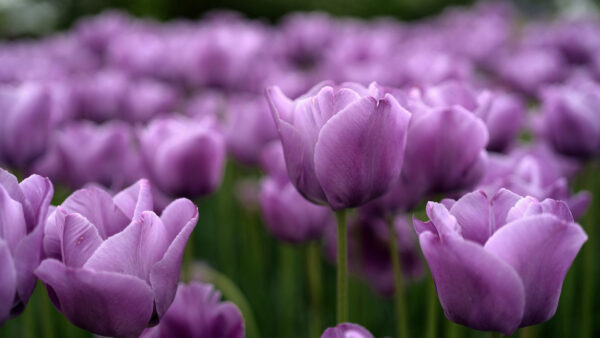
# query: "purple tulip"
{"type": "Point", "coordinates": [113, 264]}
{"type": "Point", "coordinates": [369, 254]}
{"type": "Point", "coordinates": [445, 150]}
{"type": "Point", "coordinates": [184, 157]}
{"type": "Point", "coordinates": [23, 209]}
{"type": "Point", "coordinates": [499, 263]}
{"type": "Point", "coordinates": [102, 95]}
{"type": "Point", "coordinates": [147, 99]}
{"type": "Point", "coordinates": [25, 123]}
{"type": "Point", "coordinates": [528, 175]}
{"type": "Point", "coordinates": [85, 152]}
{"type": "Point", "coordinates": [347, 330]}
{"type": "Point", "coordinates": [287, 215]}
{"type": "Point", "coordinates": [249, 127]}
{"type": "Point", "coordinates": [197, 312]}
{"type": "Point", "coordinates": [331, 150]}
{"type": "Point", "coordinates": [572, 119]}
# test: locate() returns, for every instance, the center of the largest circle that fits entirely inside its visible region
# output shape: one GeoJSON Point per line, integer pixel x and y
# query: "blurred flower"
{"type": "Point", "coordinates": [146, 99]}
{"type": "Point", "coordinates": [25, 123]}
{"type": "Point", "coordinates": [529, 174]}
{"type": "Point", "coordinates": [184, 157]}
{"type": "Point", "coordinates": [332, 154]}
{"type": "Point", "coordinates": [287, 215]}
{"type": "Point", "coordinates": [23, 210]}
{"type": "Point", "coordinates": [369, 252]}
{"type": "Point", "coordinates": [113, 264]}
{"type": "Point", "coordinates": [248, 128]}
{"type": "Point", "coordinates": [499, 263]}
{"type": "Point", "coordinates": [84, 152]}
{"type": "Point", "coordinates": [571, 120]}
{"type": "Point", "coordinates": [197, 312]}
{"type": "Point", "coordinates": [347, 330]}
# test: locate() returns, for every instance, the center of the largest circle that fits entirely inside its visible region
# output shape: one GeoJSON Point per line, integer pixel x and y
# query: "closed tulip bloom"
{"type": "Point", "coordinates": [248, 128]}
{"type": "Point", "coordinates": [113, 264]}
{"type": "Point", "coordinates": [184, 157]}
{"type": "Point", "coordinates": [347, 330]}
{"type": "Point", "coordinates": [572, 118]}
{"type": "Point", "coordinates": [445, 150]}
{"type": "Point", "coordinates": [499, 263]}
{"type": "Point", "coordinates": [288, 216]}
{"type": "Point", "coordinates": [197, 312]}
{"type": "Point", "coordinates": [342, 146]}
{"type": "Point", "coordinates": [147, 99]}
{"type": "Point", "coordinates": [23, 210]}
{"type": "Point", "coordinates": [25, 123]}
{"type": "Point", "coordinates": [84, 152]}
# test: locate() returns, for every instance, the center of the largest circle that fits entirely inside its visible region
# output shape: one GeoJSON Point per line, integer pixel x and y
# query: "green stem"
{"type": "Point", "coordinates": [399, 301]}
{"type": "Point", "coordinates": [589, 221]}
{"type": "Point", "coordinates": [342, 267]}
{"type": "Point", "coordinates": [313, 271]}
{"type": "Point", "coordinates": [233, 293]}
{"type": "Point", "coordinates": [527, 332]}
{"type": "Point", "coordinates": [287, 278]}
{"type": "Point", "coordinates": [496, 335]}
{"type": "Point", "coordinates": [432, 310]}
{"type": "Point", "coordinates": [46, 309]}
{"type": "Point", "coordinates": [454, 330]}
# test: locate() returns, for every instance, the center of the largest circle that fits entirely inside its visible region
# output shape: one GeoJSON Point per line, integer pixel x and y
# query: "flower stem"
{"type": "Point", "coordinates": [496, 335]}
{"type": "Point", "coordinates": [399, 301]}
{"type": "Point", "coordinates": [432, 309]}
{"type": "Point", "coordinates": [342, 267]}
{"type": "Point", "coordinates": [46, 310]}
{"type": "Point", "coordinates": [313, 271]}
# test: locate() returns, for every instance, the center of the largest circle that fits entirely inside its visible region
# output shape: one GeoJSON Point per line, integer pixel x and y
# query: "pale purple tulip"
{"type": "Point", "coordinates": [113, 265]}
{"type": "Point", "coordinates": [84, 152]}
{"type": "Point", "coordinates": [198, 312]}
{"type": "Point", "coordinates": [571, 121]}
{"type": "Point", "coordinates": [347, 330]}
{"type": "Point", "coordinates": [184, 157]}
{"type": "Point", "coordinates": [23, 210]}
{"type": "Point", "coordinates": [499, 262]}
{"type": "Point", "coordinates": [342, 146]}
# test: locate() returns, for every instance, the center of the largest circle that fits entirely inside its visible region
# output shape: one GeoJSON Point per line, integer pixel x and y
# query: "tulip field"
{"type": "Point", "coordinates": [317, 176]}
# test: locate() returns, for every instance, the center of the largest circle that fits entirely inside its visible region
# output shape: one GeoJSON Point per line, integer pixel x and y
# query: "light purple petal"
{"type": "Point", "coordinates": [12, 221]}
{"type": "Point", "coordinates": [80, 240]}
{"type": "Point", "coordinates": [472, 211]}
{"type": "Point", "coordinates": [475, 288]}
{"type": "Point", "coordinates": [359, 153]}
{"type": "Point", "coordinates": [105, 303]}
{"type": "Point", "coordinates": [541, 249]}
{"type": "Point", "coordinates": [135, 199]}
{"type": "Point", "coordinates": [8, 281]}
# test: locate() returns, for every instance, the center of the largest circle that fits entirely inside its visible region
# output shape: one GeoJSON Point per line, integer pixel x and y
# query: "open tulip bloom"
{"type": "Point", "coordinates": [499, 263]}
{"type": "Point", "coordinates": [113, 264]}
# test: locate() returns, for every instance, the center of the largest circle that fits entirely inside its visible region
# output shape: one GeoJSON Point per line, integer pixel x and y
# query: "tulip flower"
{"type": "Point", "coordinates": [571, 118]}
{"type": "Point", "coordinates": [197, 312]}
{"type": "Point", "coordinates": [23, 210]}
{"type": "Point", "coordinates": [184, 157]}
{"type": "Point", "coordinates": [113, 264]}
{"type": "Point", "coordinates": [249, 127]}
{"type": "Point", "coordinates": [342, 146]}
{"type": "Point", "coordinates": [499, 263]}
{"type": "Point", "coordinates": [347, 330]}
{"type": "Point", "coordinates": [25, 123]}
{"type": "Point", "coordinates": [84, 152]}
{"type": "Point", "coordinates": [287, 215]}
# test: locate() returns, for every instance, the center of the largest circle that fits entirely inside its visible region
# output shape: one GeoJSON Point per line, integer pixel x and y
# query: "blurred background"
{"type": "Point", "coordinates": [19, 18]}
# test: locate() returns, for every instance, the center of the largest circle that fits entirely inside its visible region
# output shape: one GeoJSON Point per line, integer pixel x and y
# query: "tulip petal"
{"type": "Point", "coordinates": [8, 281]}
{"type": "Point", "coordinates": [472, 211]}
{"type": "Point", "coordinates": [80, 240]}
{"type": "Point", "coordinates": [38, 192]}
{"type": "Point", "coordinates": [135, 199]}
{"type": "Point", "coordinates": [165, 274]}
{"type": "Point", "coordinates": [134, 250]}
{"type": "Point", "coordinates": [27, 258]}
{"type": "Point", "coordinates": [98, 207]}
{"type": "Point", "coordinates": [475, 287]}
{"type": "Point", "coordinates": [359, 153]}
{"type": "Point", "coordinates": [105, 303]}
{"type": "Point", "coordinates": [12, 220]}
{"type": "Point", "coordinates": [502, 202]}
{"type": "Point", "coordinates": [539, 248]}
